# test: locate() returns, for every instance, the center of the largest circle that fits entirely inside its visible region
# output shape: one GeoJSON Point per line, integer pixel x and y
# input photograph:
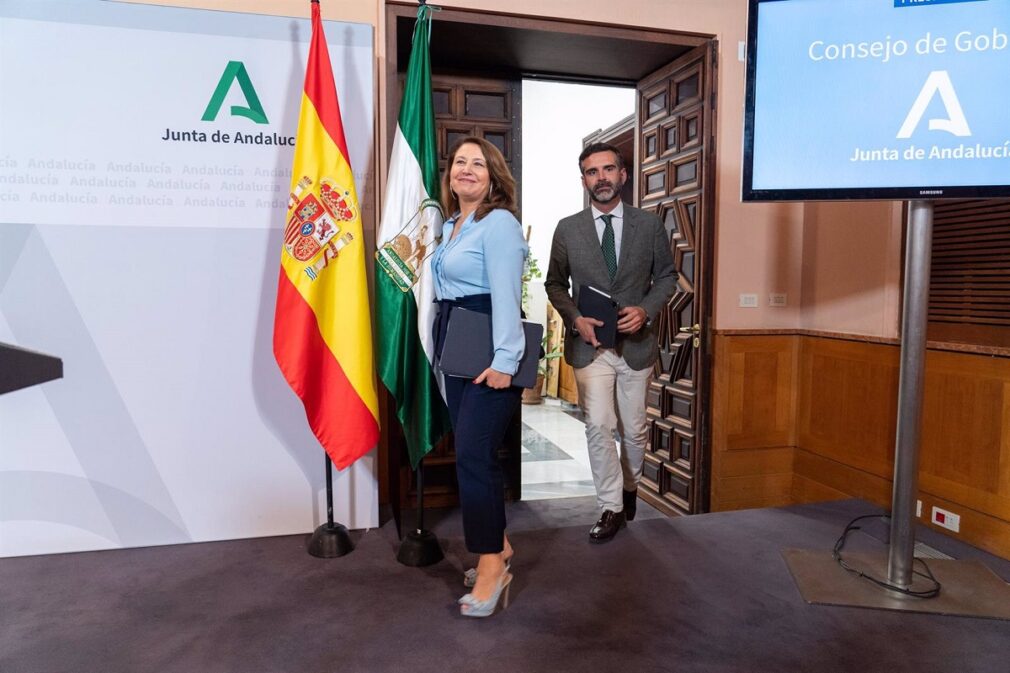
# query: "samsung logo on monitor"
{"type": "Point", "coordinates": [930, 192]}
{"type": "Point", "coordinates": [922, 3]}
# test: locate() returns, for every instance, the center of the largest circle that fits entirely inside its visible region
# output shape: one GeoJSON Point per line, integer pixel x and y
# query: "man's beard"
{"type": "Point", "coordinates": [611, 190]}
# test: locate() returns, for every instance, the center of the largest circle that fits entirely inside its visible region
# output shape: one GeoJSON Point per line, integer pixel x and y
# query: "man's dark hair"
{"type": "Point", "coordinates": [601, 147]}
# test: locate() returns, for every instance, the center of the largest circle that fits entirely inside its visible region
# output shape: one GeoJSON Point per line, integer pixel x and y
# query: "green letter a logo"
{"type": "Point", "coordinates": [236, 70]}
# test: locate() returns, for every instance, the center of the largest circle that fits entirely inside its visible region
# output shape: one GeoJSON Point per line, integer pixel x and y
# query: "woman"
{"type": "Point", "coordinates": [478, 266]}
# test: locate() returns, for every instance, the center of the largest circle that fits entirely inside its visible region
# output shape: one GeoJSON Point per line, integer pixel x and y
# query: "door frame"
{"type": "Point", "coordinates": [389, 447]}
{"type": "Point", "coordinates": [396, 9]}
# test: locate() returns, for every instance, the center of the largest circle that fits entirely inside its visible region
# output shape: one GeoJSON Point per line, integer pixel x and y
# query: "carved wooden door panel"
{"type": "Point", "coordinates": [675, 179]}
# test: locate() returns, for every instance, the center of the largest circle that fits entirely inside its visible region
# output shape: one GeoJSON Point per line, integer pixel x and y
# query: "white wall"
{"type": "Point", "coordinates": [556, 117]}
{"type": "Point", "coordinates": [150, 267]}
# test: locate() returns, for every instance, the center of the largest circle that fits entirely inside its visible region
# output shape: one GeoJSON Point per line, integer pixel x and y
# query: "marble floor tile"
{"type": "Point", "coordinates": [555, 462]}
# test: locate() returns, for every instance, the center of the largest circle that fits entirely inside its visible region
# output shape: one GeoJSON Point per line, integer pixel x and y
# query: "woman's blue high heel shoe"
{"type": "Point", "coordinates": [470, 575]}
{"type": "Point", "coordinates": [471, 607]}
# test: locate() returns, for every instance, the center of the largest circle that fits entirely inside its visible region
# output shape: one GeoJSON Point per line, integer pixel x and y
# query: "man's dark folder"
{"type": "Point", "coordinates": [598, 304]}
{"type": "Point", "coordinates": [469, 347]}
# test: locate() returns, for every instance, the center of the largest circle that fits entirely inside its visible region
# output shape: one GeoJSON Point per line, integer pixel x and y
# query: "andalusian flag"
{"type": "Point", "coordinates": [322, 327]}
{"type": "Point", "coordinates": [411, 221]}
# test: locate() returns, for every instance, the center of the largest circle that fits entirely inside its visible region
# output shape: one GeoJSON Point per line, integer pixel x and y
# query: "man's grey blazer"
{"type": "Point", "coordinates": [645, 277]}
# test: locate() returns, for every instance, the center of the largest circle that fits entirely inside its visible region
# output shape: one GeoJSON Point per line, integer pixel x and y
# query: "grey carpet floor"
{"type": "Point", "coordinates": [703, 593]}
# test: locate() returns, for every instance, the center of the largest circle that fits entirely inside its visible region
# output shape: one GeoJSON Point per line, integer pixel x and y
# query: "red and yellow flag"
{"type": "Point", "coordinates": [322, 327]}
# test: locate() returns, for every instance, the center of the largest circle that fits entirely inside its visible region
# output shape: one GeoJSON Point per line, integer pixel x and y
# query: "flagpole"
{"type": "Point", "coordinates": [330, 540]}
{"type": "Point", "coordinates": [420, 547]}
{"type": "Point", "coordinates": [322, 326]}
{"type": "Point", "coordinates": [403, 288]}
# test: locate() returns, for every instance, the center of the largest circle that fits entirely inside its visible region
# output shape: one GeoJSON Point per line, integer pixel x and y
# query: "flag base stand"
{"type": "Point", "coordinates": [420, 548]}
{"type": "Point", "coordinates": [330, 541]}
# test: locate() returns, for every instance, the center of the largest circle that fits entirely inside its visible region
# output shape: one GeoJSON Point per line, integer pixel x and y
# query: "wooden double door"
{"type": "Point", "coordinates": [672, 170]}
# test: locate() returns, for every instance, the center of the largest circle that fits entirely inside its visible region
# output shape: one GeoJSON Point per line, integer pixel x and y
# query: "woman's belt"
{"type": "Point", "coordinates": [473, 302]}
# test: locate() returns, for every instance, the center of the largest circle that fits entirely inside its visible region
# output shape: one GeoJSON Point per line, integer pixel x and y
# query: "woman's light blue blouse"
{"type": "Point", "coordinates": [486, 257]}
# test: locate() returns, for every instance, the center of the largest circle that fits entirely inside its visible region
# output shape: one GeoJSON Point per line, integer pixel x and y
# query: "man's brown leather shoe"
{"type": "Point", "coordinates": [607, 526]}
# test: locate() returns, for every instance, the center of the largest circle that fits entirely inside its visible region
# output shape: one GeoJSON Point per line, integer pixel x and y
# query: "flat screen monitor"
{"type": "Point", "coordinates": [877, 99]}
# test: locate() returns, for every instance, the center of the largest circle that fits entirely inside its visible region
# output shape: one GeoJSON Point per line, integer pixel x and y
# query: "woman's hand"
{"type": "Point", "coordinates": [494, 379]}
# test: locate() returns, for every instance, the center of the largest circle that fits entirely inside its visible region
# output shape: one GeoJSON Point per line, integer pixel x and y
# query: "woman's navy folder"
{"type": "Point", "coordinates": [469, 349]}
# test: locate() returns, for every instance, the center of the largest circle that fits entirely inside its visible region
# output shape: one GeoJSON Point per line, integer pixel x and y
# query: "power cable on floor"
{"type": "Point", "coordinates": [932, 592]}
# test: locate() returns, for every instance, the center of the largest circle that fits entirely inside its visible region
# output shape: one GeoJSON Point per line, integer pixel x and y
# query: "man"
{"type": "Point", "coordinates": [625, 252]}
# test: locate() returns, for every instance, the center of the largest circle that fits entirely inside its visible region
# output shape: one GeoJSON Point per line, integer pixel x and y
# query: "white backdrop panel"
{"type": "Point", "coordinates": [149, 265]}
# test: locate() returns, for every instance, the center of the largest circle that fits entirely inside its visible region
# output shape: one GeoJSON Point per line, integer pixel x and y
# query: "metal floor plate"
{"type": "Point", "coordinates": [969, 588]}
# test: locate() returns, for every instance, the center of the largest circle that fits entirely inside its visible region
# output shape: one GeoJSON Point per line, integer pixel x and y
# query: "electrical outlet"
{"type": "Point", "coordinates": [918, 509]}
{"type": "Point", "coordinates": [946, 519]}
{"type": "Point", "coordinates": [748, 300]}
{"type": "Point", "coordinates": [777, 299]}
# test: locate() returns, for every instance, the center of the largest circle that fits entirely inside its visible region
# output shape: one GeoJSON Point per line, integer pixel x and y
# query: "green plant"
{"type": "Point", "coordinates": [549, 353]}
{"type": "Point", "coordinates": [531, 271]}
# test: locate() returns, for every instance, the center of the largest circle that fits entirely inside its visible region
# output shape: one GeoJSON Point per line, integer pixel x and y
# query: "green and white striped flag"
{"type": "Point", "coordinates": [404, 291]}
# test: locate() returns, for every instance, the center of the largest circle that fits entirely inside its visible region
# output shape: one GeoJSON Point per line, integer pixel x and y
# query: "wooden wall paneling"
{"type": "Point", "coordinates": [743, 463]}
{"type": "Point", "coordinates": [965, 454]}
{"type": "Point", "coordinates": [844, 410]}
{"type": "Point", "coordinates": [848, 411]}
{"type": "Point", "coordinates": [847, 422]}
{"type": "Point", "coordinates": [807, 490]}
{"type": "Point", "coordinates": [754, 478]}
{"type": "Point", "coordinates": [818, 479]}
{"type": "Point", "coordinates": [751, 491]}
{"type": "Point", "coordinates": [753, 421]}
{"type": "Point", "coordinates": [844, 478]}
{"type": "Point", "coordinates": [977, 528]}
{"type": "Point", "coordinates": [962, 428]}
{"type": "Point", "coordinates": [969, 294]}
{"type": "Point", "coordinates": [760, 407]}
{"type": "Point", "coordinates": [848, 402]}
{"type": "Point", "coordinates": [720, 381]}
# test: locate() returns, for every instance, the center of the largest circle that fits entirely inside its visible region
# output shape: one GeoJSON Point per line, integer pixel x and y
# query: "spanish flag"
{"type": "Point", "coordinates": [322, 327]}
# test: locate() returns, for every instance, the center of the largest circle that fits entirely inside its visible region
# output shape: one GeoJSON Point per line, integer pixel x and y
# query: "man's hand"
{"type": "Point", "coordinates": [630, 319]}
{"type": "Point", "coordinates": [586, 327]}
{"type": "Point", "coordinates": [494, 379]}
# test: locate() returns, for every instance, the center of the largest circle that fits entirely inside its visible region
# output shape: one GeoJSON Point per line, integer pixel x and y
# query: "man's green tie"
{"type": "Point", "coordinates": [609, 251]}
